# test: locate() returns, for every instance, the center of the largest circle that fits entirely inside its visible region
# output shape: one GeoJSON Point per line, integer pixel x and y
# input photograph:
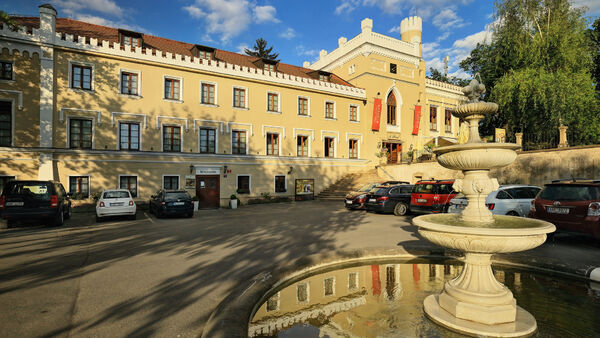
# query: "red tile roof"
{"type": "Point", "coordinates": [80, 28]}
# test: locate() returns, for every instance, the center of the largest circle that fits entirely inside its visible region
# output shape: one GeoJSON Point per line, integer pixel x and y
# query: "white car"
{"type": "Point", "coordinates": [513, 200]}
{"type": "Point", "coordinates": [116, 202]}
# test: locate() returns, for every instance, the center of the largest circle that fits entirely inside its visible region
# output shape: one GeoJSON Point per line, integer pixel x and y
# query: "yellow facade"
{"type": "Point", "coordinates": [46, 108]}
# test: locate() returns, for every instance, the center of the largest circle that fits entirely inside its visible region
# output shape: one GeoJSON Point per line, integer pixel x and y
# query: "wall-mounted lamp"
{"type": "Point", "coordinates": [191, 168]}
{"type": "Point", "coordinates": [224, 171]}
{"type": "Point", "coordinates": [291, 169]}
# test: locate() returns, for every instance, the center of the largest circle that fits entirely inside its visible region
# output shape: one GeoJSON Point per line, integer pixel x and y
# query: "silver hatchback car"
{"type": "Point", "coordinates": [514, 200]}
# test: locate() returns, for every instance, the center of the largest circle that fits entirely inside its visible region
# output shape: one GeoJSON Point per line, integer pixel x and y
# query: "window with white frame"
{"type": "Point", "coordinates": [329, 110]}
{"type": "Point", "coordinates": [6, 121]}
{"type": "Point", "coordinates": [208, 95]}
{"type": "Point", "coordinates": [272, 144]}
{"type": "Point", "coordinates": [6, 70]}
{"type": "Point", "coordinates": [243, 184]}
{"type": "Point", "coordinates": [208, 137]}
{"type": "Point", "coordinates": [353, 281]}
{"type": "Point", "coordinates": [303, 106]}
{"type": "Point", "coordinates": [172, 89]}
{"type": "Point", "coordinates": [238, 142]}
{"type": "Point", "coordinates": [171, 138]}
{"type": "Point", "coordinates": [302, 292]}
{"type": "Point", "coordinates": [80, 133]}
{"type": "Point", "coordinates": [280, 183]}
{"type": "Point", "coordinates": [329, 143]}
{"type": "Point", "coordinates": [302, 146]}
{"type": "Point", "coordinates": [353, 113]}
{"type": "Point", "coordinates": [81, 76]}
{"type": "Point", "coordinates": [353, 148]}
{"type": "Point", "coordinates": [329, 286]}
{"type": "Point", "coordinates": [79, 185]}
{"type": "Point", "coordinates": [239, 97]}
{"type": "Point", "coordinates": [272, 102]}
{"type": "Point", "coordinates": [129, 83]}
{"type": "Point", "coordinates": [130, 183]}
{"type": "Point", "coordinates": [170, 182]}
{"type": "Point", "coordinates": [273, 303]}
{"type": "Point", "coordinates": [433, 124]}
{"type": "Point", "coordinates": [129, 136]}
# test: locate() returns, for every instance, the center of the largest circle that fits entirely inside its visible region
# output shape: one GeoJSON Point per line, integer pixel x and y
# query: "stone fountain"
{"type": "Point", "coordinates": [475, 303]}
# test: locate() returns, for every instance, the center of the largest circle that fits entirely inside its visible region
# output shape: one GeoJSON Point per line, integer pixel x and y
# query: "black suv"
{"type": "Point", "coordinates": [171, 202]}
{"type": "Point", "coordinates": [387, 199]}
{"type": "Point", "coordinates": [38, 200]}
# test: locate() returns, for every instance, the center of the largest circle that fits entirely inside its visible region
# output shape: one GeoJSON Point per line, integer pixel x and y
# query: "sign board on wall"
{"type": "Point", "coordinates": [417, 120]}
{"type": "Point", "coordinates": [208, 170]}
{"type": "Point", "coordinates": [376, 114]}
{"type": "Point", "coordinates": [500, 135]}
{"type": "Point", "coordinates": [305, 189]}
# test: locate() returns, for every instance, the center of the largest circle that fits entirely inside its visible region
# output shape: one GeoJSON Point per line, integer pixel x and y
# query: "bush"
{"type": "Point", "coordinates": [96, 195]}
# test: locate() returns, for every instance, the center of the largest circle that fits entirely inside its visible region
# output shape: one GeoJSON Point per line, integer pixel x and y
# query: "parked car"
{"type": "Point", "coordinates": [117, 202]}
{"type": "Point", "coordinates": [37, 200]}
{"type": "Point", "coordinates": [389, 198]}
{"type": "Point", "coordinates": [513, 200]}
{"type": "Point", "coordinates": [356, 199]}
{"type": "Point", "coordinates": [431, 196]}
{"type": "Point", "coordinates": [572, 205]}
{"type": "Point", "coordinates": [171, 202]}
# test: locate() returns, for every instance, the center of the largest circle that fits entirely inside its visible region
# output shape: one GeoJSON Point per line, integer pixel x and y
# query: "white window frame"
{"type": "Point", "coordinates": [119, 134]}
{"type": "Point", "coordinates": [297, 107]}
{"type": "Point", "coordinates": [92, 82]}
{"type": "Point", "coordinates": [249, 183]}
{"type": "Point", "coordinates": [357, 113]}
{"type": "Point", "coordinates": [246, 105]}
{"type": "Point", "coordinates": [171, 175]}
{"type": "Point", "coordinates": [139, 83]}
{"type": "Point", "coordinates": [68, 133]}
{"type": "Point", "coordinates": [137, 182]}
{"type": "Point", "coordinates": [12, 121]}
{"type": "Point", "coordinates": [231, 141]}
{"type": "Point", "coordinates": [172, 77]}
{"type": "Point", "coordinates": [357, 279]}
{"type": "Point", "coordinates": [334, 110]}
{"type": "Point", "coordinates": [162, 139]}
{"type": "Point", "coordinates": [89, 183]}
{"type": "Point", "coordinates": [278, 294]}
{"type": "Point", "coordinates": [308, 136]}
{"type": "Point", "coordinates": [437, 118]}
{"type": "Point", "coordinates": [216, 129]}
{"type": "Point", "coordinates": [335, 145]}
{"type": "Point", "coordinates": [275, 183]}
{"type": "Point", "coordinates": [279, 139]}
{"type": "Point", "coordinates": [324, 287]}
{"type": "Point", "coordinates": [278, 102]}
{"type": "Point", "coordinates": [216, 104]}
{"type": "Point", "coordinates": [307, 293]}
{"type": "Point", "coordinates": [357, 147]}
{"type": "Point", "coordinates": [12, 77]}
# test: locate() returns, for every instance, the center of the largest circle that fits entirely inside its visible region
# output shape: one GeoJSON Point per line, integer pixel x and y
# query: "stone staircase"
{"type": "Point", "coordinates": [349, 182]}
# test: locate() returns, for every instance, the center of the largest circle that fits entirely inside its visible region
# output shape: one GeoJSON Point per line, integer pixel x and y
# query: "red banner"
{"type": "Point", "coordinates": [417, 120]}
{"type": "Point", "coordinates": [376, 114]}
{"type": "Point", "coordinates": [375, 279]}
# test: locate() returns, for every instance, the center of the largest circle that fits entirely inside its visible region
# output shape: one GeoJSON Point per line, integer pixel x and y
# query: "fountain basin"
{"type": "Point", "coordinates": [475, 108]}
{"type": "Point", "coordinates": [476, 156]}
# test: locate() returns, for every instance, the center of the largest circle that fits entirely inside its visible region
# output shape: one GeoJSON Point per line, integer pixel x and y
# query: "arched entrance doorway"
{"type": "Point", "coordinates": [394, 148]}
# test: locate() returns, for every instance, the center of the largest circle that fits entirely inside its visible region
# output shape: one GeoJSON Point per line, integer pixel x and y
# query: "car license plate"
{"type": "Point", "coordinates": [372, 200]}
{"type": "Point", "coordinates": [14, 204]}
{"type": "Point", "coordinates": [348, 202]}
{"type": "Point", "coordinates": [178, 203]}
{"type": "Point", "coordinates": [421, 200]}
{"type": "Point", "coordinates": [116, 204]}
{"type": "Point", "coordinates": [553, 210]}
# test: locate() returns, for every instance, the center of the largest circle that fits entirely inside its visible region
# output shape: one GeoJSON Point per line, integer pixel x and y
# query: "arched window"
{"type": "Point", "coordinates": [391, 109]}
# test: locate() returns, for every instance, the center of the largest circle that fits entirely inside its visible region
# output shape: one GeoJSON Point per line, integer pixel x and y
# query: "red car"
{"type": "Point", "coordinates": [431, 196]}
{"type": "Point", "coordinates": [572, 205]}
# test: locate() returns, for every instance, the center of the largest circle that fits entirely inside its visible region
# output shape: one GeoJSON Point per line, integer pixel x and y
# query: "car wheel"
{"type": "Point", "coordinates": [512, 213]}
{"type": "Point", "coordinates": [60, 219]}
{"type": "Point", "coordinates": [69, 212]}
{"type": "Point", "coordinates": [400, 209]}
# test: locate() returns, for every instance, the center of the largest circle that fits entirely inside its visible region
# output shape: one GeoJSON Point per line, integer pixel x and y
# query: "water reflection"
{"type": "Point", "coordinates": [387, 300]}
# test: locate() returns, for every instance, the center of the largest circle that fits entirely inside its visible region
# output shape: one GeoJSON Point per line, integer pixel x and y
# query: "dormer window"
{"type": "Point", "coordinates": [269, 67]}
{"type": "Point", "coordinates": [203, 52]}
{"type": "Point", "coordinates": [129, 38]}
{"type": "Point", "coordinates": [323, 77]}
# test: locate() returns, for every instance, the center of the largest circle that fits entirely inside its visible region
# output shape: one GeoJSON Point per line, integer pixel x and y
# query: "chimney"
{"type": "Point", "coordinates": [366, 25]}
{"type": "Point", "coordinates": [47, 22]}
{"type": "Point", "coordinates": [322, 53]}
{"type": "Point", "coordinates": [306, 64]}
{"type": "Point", "coordinates": [342, 41]}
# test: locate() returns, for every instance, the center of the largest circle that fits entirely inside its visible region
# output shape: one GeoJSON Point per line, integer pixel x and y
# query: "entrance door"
{"type": "Point", "coordinates": [207, 190]}
{"type": "Point", "coordinates": [394, 150]}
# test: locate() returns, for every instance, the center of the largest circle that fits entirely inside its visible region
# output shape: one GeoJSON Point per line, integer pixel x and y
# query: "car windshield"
{"type": "Point", "coordinates": [115, 194]}
{"type": "Point", "coordinates": [174, 196]}
{"type": "Point", "coordinates": [569, 193]}
{"type": "Point", "coordinates": [424, 188]}
{"type": "Point", "coordinates": [367, 187]}
{"type": "Point", "coordinates": [38, 191]}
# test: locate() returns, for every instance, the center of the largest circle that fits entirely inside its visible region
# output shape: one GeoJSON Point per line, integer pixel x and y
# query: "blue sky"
{"type": "Point", "coordinates": [298, 29]}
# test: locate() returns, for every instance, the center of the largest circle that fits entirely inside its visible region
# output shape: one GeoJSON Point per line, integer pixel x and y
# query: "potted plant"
{"type": "Point", "coordinates": [233, 201]}
{"type": "Point", "coordinates": [196, 203]}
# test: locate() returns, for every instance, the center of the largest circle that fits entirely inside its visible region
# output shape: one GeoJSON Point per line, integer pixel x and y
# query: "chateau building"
{"type": "Point", "coordinates": [97, 107]}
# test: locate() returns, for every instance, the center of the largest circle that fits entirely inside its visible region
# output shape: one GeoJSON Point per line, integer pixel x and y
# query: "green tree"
{"type": "Point", "coordinates": [594, 36]}
{"type": "Point", "coordinates": [538, 69]}
{"type": "Point", "coordinates": [261, 50]}
{"type": "Point", "coordinates": [435, 74]}
{"type": "Point", "coordinates": [8, 20]}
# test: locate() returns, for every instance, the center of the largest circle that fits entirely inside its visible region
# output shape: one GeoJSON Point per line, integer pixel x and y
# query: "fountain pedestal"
{"type": "Point", "coordinates": [475, 303]}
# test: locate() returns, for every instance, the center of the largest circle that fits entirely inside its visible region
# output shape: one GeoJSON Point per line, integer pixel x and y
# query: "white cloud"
{"type": "Point", "coordinates": [265, 14]}
{"type": "Point", "coordinates": [447, 19]}
{"type": "Point", "coordinates": [435, 63]}
{"type": "Point", "coordinates": [241, 48]}
{"type": "Point", "coordinates": [471, 41]}
{"type": "Point", "coordinates": [430, 49]}
{"type": "Point", "coordinates": [301, 50]}
{"type": "Point", "coordinates": [110, 23]}
{"type": "Point", "coordinates": [346, 7]}
{"type": "Point", "coordinates": [288, 34]}
{"type": "Point", "coordinates": [73, 7]}
{"type": "Point", "coordinates": [592, 5]}
{"type": "Point", "coordinates": [443, 37]}
{"type": "Point", "coordinates": [226, 18]}
{"type": "Point", "coordinates": [395, 29]}
{"type": "Point", "coordinates": [459, 73]}
{"type": "Point", "coordinates": [423, 8]}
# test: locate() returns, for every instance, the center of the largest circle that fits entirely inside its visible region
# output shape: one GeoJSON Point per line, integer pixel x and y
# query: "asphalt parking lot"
{"type": "Point", "coordinates": [164, 277]}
